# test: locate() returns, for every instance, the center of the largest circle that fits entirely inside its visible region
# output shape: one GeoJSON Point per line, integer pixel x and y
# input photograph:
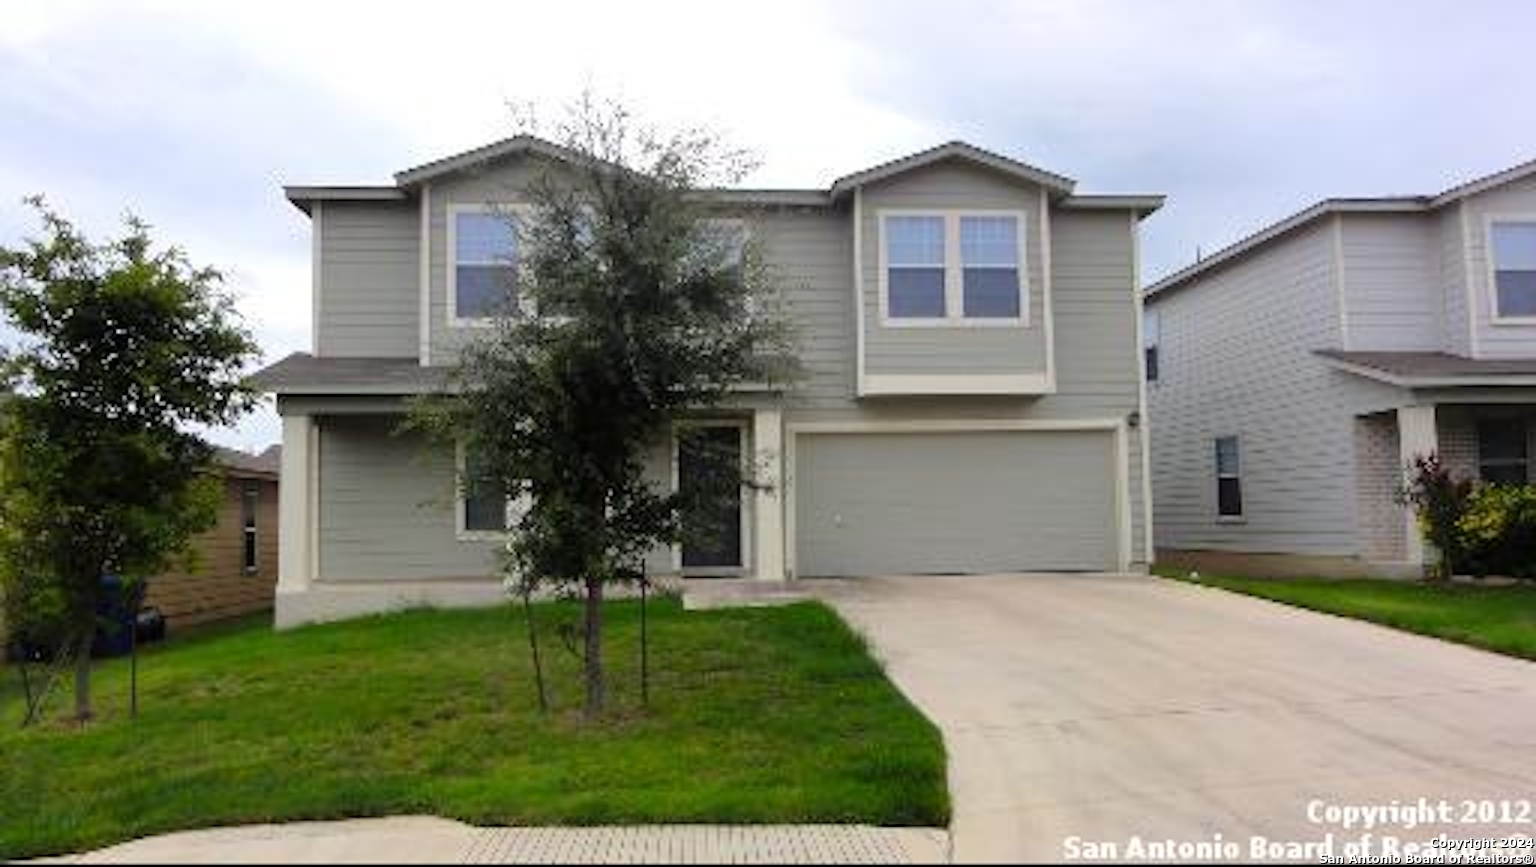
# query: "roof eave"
{"type": "Point", "coordinates": [1142, 205]}
{"type": "Point", "coordinates": [1295, 222]}
{"type": "Point", "coordinates": [1477, 380]}
{"type": "Point", "coordinates": [1062, 186]}
{"type": "Point", "coordinates": [303, 197]}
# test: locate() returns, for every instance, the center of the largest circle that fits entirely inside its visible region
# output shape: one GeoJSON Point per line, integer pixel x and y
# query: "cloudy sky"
{"type": "Point", "coordinates": [192, 114]}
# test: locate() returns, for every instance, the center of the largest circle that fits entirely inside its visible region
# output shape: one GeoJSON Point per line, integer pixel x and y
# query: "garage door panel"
{"type": "Point", "coordinates": [910, 503]}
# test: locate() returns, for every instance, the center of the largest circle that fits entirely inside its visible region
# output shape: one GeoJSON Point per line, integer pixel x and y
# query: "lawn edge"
{"type": "Point", "coordinates": [1314, 609]}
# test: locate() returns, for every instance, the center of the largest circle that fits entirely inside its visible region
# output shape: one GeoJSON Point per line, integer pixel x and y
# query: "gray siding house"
{"type": "Point", "coordinates": [972, 400]}
{"type": "Point", "coordinates": [1299, 370]}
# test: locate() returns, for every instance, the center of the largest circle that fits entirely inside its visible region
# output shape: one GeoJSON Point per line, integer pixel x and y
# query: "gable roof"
{"type": "Point", "coordinates": [238, 463]}
{"type": "Point", "coordinates": [1307, 216]}
{"type": "Point", "coordinates": [950, 151]}
{"type": "Point", "coordinates": [409, 180]}
{"type": "Point", "coordinates": [518, 144]}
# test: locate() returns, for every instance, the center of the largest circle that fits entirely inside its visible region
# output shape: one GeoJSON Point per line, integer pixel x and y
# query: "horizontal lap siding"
{"type": "Point", "coordinates": [1393, 282]}
{"type": "Point", "coordinates": [1503, 340]}
{"type": "Point", "coordinates": [951, 186]}
{"type": "Point", "coordinates": [369, 279]}
{"type": "Point", "coordinates": [1095, 331]}
{"type": "Point", "coordinates": [218, 587]}
{"type": "Point", "coordinates": [1236, 358]}
{"type": "Point", "coordinates": [387, 506]}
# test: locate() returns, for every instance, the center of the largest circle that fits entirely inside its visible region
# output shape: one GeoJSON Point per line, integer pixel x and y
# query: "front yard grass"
{"type": "Point", "coordinates": [758, 715]}
{"type": "Point", "coordinates": [1501, 619]}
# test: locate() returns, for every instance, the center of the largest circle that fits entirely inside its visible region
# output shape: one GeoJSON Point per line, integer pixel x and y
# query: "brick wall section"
{"type": "Point", "coordinates": [1457, 432]}
{"type": "Point", "coordinates": [1378, 475]}
{"type": "Point", "coordinates": [219, 587]}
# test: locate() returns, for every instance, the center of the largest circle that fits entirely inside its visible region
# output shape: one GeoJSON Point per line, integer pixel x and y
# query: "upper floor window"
{"type": "Point", "coordinates": [953, 268]}
{"type": "Point", "coordinates": [1514, 269]}
{"type": "Point", "coordinates": [989, 255]}
{"type": "Point", "coordinates": [483, 270]}
{"type": "Point", "coordinates": [914, 255]}
{"type": "Point", "coordinates": [1503, 455]}
{"type": "Point", "coordinates": [1151, 333]}
{"type": "Point", "coordinates": [1229, 478]}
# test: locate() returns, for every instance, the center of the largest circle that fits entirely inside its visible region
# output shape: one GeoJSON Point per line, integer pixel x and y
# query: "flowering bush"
{"type": "Point", "coordinates": [1497, 530]}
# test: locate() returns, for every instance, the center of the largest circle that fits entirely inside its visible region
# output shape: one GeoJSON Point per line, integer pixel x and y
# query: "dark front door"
{"type": "Point", "coordinates": [709, 471]}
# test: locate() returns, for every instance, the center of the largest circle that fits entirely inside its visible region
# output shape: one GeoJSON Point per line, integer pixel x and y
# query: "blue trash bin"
{"type": "Point", "coordinates": [117, 609]}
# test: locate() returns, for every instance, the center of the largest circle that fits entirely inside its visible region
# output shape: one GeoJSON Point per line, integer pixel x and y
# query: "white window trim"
{"type": "Point", "coordinates": [1241, 516]}
{"type": "Point", "coordinates": [519, 212]}
{"type": "Point", "coordinates": [954, 271]}
{"type": "Point", "coordinates": [1491, 268]}
{"type": "Point", "coordinates": [743, 427]}
{"type": "Point", "coordinates": [251, 530]}
{"type": "Point", "coordinates": [515, 507]}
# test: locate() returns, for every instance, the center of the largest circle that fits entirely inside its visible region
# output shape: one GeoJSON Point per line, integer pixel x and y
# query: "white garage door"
{"type": "Point", "coordinates": [954, 503]}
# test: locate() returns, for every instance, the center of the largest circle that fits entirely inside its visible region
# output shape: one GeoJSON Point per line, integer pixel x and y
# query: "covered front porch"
{"type": "Point", "coordinates": [1477, 414]}
{"type": "Point", "coordinates": [373, 518]}
{"type": "Point", "coordinates": [1476, 437]}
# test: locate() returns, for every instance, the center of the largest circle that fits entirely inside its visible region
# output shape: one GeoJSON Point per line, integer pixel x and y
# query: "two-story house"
{"type": "Point", "coordinates": [1297, 372]}
{"type": "Point", "coordinates": [972, 397]}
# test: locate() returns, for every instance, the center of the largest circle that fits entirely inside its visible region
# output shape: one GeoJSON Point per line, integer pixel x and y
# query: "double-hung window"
{"type": "Point", "coordinates": [1229, 478]}
{"type": "Point", "coordinates": [953, 268]}
{"type": "Point", "coordinates": [915, 251]}
{"type": "Point", "coordinates": [1503, 455]}
{"type": "Point", "coordinates": [483, 271]}
{"type": "Point", "coordinates": [1513, 251]}
{"type": "Point", "coordinates": [989, 259]}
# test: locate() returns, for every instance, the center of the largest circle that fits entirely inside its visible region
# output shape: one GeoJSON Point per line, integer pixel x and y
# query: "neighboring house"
{"type": "Point", "coordinates": [236, 569]}
{"type": "Point", "coordinates": [1298, 371]}
{"type": "Point", "coordinates": [972, 398]}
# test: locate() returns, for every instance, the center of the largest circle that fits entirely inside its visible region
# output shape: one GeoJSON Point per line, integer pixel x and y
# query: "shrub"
{"type": "Point", "coordinates": [1497, 531]}
{"type": "Point", "coordinates": [1440, 500]}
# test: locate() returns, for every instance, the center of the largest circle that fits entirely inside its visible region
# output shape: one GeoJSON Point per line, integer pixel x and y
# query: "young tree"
{"type": "Point", "coordinates": [122, 346]}
{"type": "Point", "coordinates": [630, 308]}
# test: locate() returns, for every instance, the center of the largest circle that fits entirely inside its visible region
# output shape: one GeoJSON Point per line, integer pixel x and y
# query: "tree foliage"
{"type": "Point", "coordinates": [630, 309]}
{"type": "Point", "coordinates": [121, 346]}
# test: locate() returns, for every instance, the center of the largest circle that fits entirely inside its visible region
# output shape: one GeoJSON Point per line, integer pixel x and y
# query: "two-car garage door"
{"type": "Point", "coordinates": [954, 502]}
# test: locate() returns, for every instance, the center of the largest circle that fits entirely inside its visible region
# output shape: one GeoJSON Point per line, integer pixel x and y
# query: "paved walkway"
{"type": "Point", "coordinates": [1112, 707]}
{"type": "Point", "coordinates": [426, 840]}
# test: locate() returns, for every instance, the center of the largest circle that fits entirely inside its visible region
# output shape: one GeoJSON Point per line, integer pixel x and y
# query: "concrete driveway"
{"type": "Point", "coordinates": [1109, 708]}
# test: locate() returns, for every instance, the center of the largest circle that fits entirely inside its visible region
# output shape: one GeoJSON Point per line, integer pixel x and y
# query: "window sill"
{"type": "Point", "coordinates": [481, 536]}
{"type": "Point", "coordinates": [958, 322]}
{"type": "Point", "coordinates": [471, 323]}
{"type": "Point", "coordinates": [1512, 321]}
{"type": "Point", "coordinates": [1231, 519]}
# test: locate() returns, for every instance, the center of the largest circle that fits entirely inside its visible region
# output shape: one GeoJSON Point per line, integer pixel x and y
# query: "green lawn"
{"type": "Point", "coordinates": [1501, 619]}
{"type": "Point", "coordinates": [758, 715]}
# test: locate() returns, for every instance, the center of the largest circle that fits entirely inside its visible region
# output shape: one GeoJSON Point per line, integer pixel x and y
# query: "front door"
{"type": "Point", "coordinates": [709, 468]}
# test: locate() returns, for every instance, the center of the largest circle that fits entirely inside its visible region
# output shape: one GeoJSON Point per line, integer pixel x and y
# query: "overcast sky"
{"type": "Point", "coordinates": [192, 114]}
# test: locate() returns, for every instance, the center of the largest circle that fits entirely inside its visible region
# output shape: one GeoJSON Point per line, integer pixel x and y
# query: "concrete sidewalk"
{"type": "Point", "coordinates": [428, 840]}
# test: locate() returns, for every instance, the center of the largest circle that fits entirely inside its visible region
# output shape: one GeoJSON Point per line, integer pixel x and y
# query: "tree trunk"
{"type": "Point", "coordinates": [83, 679]}
{"type": "Point", "coordinates": [593, 656]}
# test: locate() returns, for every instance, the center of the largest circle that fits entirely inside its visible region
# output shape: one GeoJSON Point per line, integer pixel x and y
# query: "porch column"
{"type": "Point", "coordinates": [1416, 435]}
{"type": "Point", "coordinates": [297, 495]}
{"type": "Point", "coordinates": [768, 505]}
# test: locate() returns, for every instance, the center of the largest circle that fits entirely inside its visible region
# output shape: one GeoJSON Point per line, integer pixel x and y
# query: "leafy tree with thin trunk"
{"type": "Point", "coordinates": [631, 307]}
{"type": "Point", "coordinates": [122, 345]}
